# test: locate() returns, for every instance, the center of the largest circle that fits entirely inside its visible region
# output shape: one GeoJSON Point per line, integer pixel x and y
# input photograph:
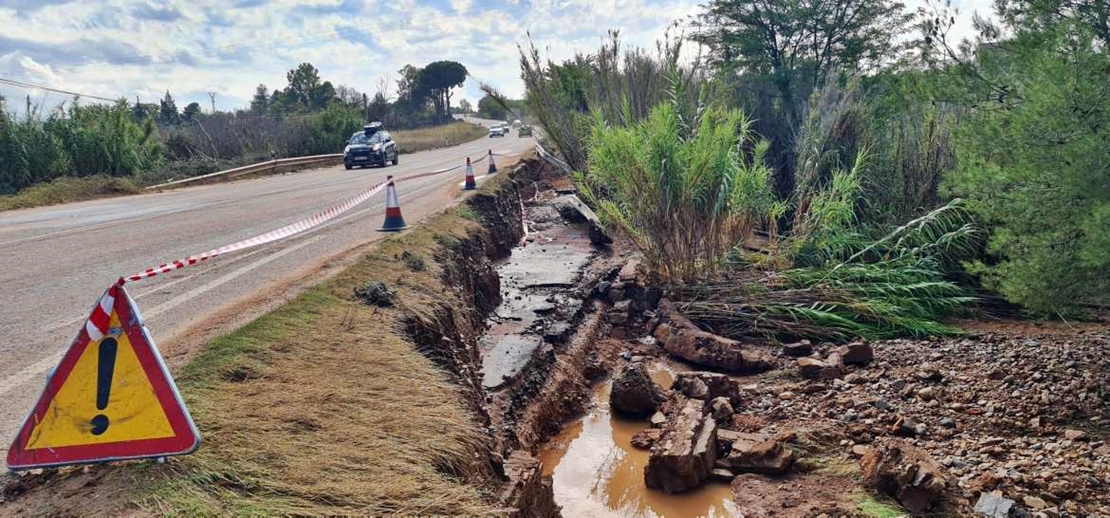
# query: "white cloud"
{"type": "Point", "coordinates": [124, 48]}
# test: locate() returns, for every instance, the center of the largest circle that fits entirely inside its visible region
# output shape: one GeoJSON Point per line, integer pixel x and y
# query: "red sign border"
{"type": "Point", "coordinates": [185, 439]}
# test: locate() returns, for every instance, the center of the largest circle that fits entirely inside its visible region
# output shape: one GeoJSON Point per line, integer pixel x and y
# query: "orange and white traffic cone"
{"type": "Point", "coordinates": [393, 219]}
{"type": "Point", "coordinates": [470, 183]}
{"type": "Point", "coordinates": [492, 166]}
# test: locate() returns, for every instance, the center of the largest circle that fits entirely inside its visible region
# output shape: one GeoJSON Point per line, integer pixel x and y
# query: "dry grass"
{"type": "Point", "coordinates": [68, 190]}
{"type": "Point", "coordinates": [412, 141]}
{"type": "Point", "coordinates": [322, 407]}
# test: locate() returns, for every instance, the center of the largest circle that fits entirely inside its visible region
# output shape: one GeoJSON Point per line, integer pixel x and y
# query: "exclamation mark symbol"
{"type": "Point", "coordinates": [105, 367]}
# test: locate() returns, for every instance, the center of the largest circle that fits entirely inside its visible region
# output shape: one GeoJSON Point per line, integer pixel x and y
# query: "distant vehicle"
{"type": "Point", "coordinates": [524, 131]}
{"type": "Point", "coordinates": [498, 130]}
{"type": "Point", "coordinates": [371, 146]}
{"type": "Point", "coordinates": [517, 123]}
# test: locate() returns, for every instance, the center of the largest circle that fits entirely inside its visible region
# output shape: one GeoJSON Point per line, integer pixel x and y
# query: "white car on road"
{"type": "Point", "coordinates": [498, 131]}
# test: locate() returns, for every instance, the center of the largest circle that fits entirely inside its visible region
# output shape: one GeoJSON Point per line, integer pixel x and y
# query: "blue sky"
{"type": "Point", "coordinates": [129, 48]}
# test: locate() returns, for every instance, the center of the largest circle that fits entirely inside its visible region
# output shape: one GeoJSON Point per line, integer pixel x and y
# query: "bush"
{"type": "Point", "coordinates": [375, 294]}
{"type": "Point", "coordinates": [75, 141]}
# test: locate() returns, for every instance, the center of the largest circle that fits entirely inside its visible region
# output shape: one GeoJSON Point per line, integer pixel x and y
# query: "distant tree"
{"type": "Point", "coordinates": [142, 111]}
{"type": "Point", "coordinates": [777, 52]}
{"type": "Point", "coordinates": [349, 95]}
{"type": "Point", "coordinates": [489, 108]}
{"type": "Point", "coordinates": [408, 87]}
{"type": "Point", "coordinates": [465, 106]}
{"type": "Point", "coordinates": [378, 108]}
{"type": "Point", "coordinates": [306, 89]}
{"type": "Point", "coordinates": [799, 43]}
{"type": "Point", "coordinates": [167, 113]}
{"type": "Point", "coordinates": [438, 79]}
{"type": "Point", "coordinates": [412, 98]}
{"type": "Point", "coordinates": [191, 111]}
{"type": "Point", "coordinates": [260, 103]}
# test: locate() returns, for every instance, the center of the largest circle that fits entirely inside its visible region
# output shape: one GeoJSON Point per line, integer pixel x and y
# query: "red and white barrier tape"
{"type": "Point", "coordinates": [289, 230]}
{"type": "Point", "coordinates": [99, 319]}
{"type": "Point", "coordinates": [97, 325]}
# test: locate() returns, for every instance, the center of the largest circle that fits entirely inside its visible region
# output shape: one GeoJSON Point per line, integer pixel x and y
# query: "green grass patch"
{"type": "Point", "coordinates": [880, 508]}
{"type": "Point", "coordinates": [465, 211]}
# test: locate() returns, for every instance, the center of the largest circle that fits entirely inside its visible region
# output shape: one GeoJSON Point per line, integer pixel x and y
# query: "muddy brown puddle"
{"type": "Point", "coordinates": [597, 473]}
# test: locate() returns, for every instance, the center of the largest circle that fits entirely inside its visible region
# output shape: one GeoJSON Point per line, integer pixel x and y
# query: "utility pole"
{"type": "Point", "coordinates": [28, 107]}
{"type": "Point", "coordinates": [212, 95]}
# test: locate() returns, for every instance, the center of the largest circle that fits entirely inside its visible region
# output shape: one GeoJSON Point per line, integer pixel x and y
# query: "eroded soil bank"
{"type": "Point", "coordinates": [1011, 419]}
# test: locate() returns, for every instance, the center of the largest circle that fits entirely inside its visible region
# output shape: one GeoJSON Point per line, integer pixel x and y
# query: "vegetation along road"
{"type": "Point", "coordinates": [58, 259]}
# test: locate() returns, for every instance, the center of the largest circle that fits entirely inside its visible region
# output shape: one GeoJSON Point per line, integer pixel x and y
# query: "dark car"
{"type": "Point", "coordinates": [371, 146]}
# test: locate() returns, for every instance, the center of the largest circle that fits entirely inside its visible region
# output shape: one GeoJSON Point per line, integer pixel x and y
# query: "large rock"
{"type": "Point", "coordinates": [994, 506]}
{"type": "Point", "coordinates": [527, 492]}
{"type": "Point", "coordinates": [810, 368]}
{"type": "Point", "coordinates": [905, 472]}
{"type": "Point", "coordinates": [644, 439]}
{"type": "Point", "coordinates": [707, 386]}
{"type": "Point", "coordinates": [683, 339]}
{"type": "Point", "coordinates": [798, 349]}
{"type": "Point", "coordinates": [753, 453]}
{"type": "Point", "coordinates": [856, 353]}
{"type": "Point", "coordinates": [721, 410]}
{"type": "Point", "coordinates": [683, 456]}
{"type": "Point", "coordinates": [634, 392]}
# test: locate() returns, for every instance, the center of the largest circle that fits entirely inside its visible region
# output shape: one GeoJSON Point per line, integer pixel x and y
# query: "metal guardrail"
{"type": "Point", "coordinates": [255, 168]}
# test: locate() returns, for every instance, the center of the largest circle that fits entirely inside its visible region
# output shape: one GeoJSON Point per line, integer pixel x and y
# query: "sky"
{"type": "Point", "coordinates": [142, 48]}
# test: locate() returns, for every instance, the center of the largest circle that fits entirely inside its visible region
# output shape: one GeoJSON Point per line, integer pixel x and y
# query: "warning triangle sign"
{"type": "Point", "coordinates": [110, 398]}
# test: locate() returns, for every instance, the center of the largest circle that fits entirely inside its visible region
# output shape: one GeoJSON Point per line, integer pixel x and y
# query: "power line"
{"type": "Point", "coordinates": [21, 84]}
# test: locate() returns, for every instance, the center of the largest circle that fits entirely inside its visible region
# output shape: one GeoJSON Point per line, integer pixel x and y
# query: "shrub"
{"type": "Point", "coordinates": [375, 294]}
{"type": "Point", "coordinates": [686, 198]}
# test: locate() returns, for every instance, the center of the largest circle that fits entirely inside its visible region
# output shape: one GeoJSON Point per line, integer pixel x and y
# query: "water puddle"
{"type": "Point", "coordinates": [596, 471]}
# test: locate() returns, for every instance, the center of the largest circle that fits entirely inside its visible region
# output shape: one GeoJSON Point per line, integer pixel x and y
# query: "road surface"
{"type": "Point", "coordinates": [56, 261]}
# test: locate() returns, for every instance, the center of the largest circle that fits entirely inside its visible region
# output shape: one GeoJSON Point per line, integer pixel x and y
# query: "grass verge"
{"type": "Point", "coordinates": [423, 139]}
{"type": "Point", "coordinates": [321, 407]}
{"type": "Point", "coordinates": [302, 409]}
{"type": "Point", "coordinates": [68, 190]}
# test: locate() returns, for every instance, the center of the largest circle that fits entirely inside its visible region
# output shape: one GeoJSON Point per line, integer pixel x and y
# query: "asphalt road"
{"type": "Point", "coordinates": [56, 261]}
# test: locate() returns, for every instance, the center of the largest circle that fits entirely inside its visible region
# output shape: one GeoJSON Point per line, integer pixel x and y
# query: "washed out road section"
{"type": "Point", "coordinates": [56, 261]}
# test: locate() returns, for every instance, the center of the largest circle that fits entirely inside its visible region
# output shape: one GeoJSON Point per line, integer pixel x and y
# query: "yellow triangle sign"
{"type": "Point", "coordinates": [109, 399]}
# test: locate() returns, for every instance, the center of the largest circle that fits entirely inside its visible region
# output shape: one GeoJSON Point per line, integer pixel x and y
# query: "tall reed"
{"type": "Point", "coordinates": [685, 198]}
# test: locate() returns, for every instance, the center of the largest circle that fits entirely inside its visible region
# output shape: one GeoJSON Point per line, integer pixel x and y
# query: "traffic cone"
{"type": "Point", "coordinates": [470, 184]}
{"type": "Point", "coordinates": [393, 219]}
{"type": "Point", "coordinates": [492, 166]}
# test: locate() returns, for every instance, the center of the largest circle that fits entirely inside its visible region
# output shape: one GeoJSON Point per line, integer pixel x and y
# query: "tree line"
{"type": "Point", "coordinates": [309, 115]}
